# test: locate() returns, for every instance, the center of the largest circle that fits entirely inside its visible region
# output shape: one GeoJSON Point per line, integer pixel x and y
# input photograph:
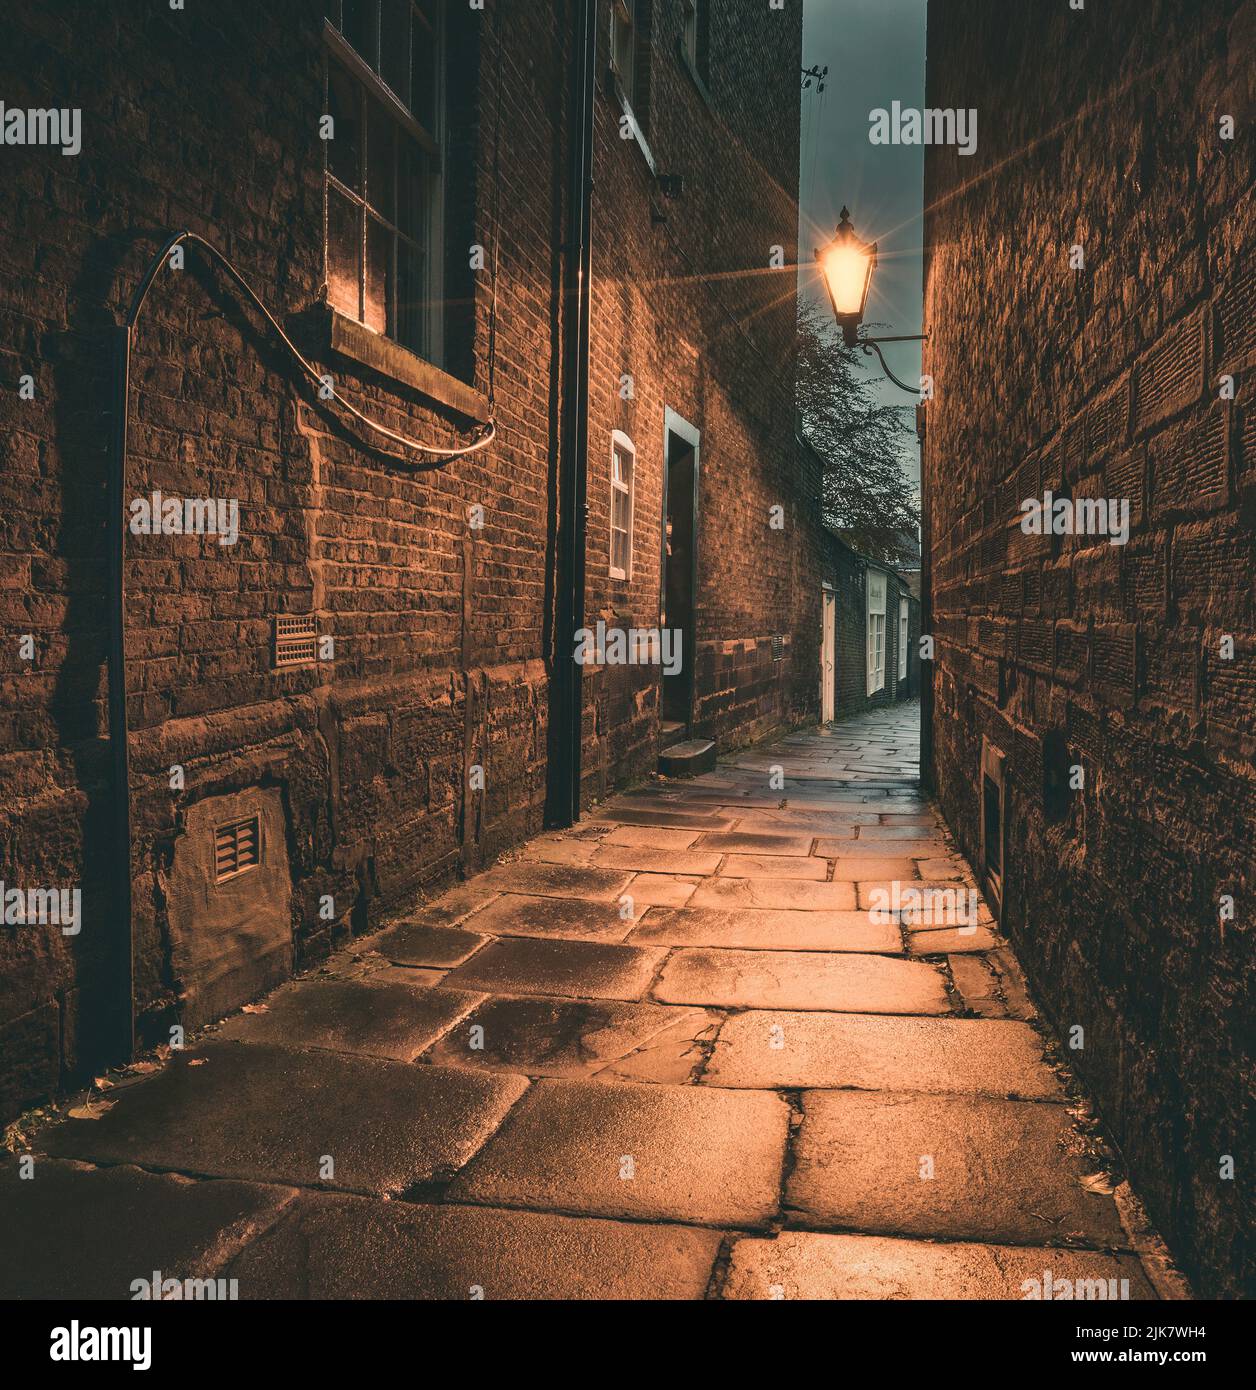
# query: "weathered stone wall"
{"type": "Point", "coordinates": [207, 118]}
{"type": "Point", "coordinates": [1100, 128]}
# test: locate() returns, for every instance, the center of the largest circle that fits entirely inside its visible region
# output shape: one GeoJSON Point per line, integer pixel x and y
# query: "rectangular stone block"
{"type": "Point", "coordinates": [763, 1049]}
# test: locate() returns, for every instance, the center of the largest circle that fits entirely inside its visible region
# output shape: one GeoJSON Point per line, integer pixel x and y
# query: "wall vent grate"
{"type": "Point", "coordinates": [237, 847]}
{"type": "Point", "coordinates": [778, 646]}
{"type": "Point", "coordinates": [296, 641]}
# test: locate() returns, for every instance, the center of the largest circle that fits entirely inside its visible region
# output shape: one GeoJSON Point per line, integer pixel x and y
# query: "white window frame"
{"type": "Point", "coordinates": [877, 585]}
{"type": "Point", "coordinates": [621, 445]}
{"type": "Point", "coordinates": [903, 615]}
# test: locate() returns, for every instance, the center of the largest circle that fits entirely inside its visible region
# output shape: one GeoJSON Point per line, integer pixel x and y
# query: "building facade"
{"type": "Point", "coordinates": [344, 694]}
{"type": "Point", "coordinates": [870, 634]}
{"type": "Point", "coordinates": [1091, 295]}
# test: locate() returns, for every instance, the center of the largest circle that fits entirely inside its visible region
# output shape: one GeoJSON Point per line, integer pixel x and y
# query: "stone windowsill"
{"type": "Point", "coordinates": [351, 339]}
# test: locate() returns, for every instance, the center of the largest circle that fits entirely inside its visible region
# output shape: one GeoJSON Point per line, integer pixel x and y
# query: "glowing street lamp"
{"type": "Point", "coordinates": [847, 265]}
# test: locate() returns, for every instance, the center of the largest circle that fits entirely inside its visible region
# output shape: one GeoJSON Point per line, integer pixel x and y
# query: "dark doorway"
{"type": "Point", "coordinates": [680, 571]}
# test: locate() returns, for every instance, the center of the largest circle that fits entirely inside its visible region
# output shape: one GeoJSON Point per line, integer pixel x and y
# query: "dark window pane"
{"type": "Point", "coordinates": [425, 77]}
{"type": "Point", "coordinates": [394, 47]}
{"type": "Point", "coordinates": [359, 27]}
{"type": "Point", "coordinates": [379, 278]}
{"type": "Point", "coordinates": [411, 309]}
{"type": "Point", "coordinates": [411, 189]}
{"type": "Point", "coordinates": [344, 254]}
{"type": "Point", "coordinates": [344, 149]}
{"type": "Point", "coordinates": [381, 184]}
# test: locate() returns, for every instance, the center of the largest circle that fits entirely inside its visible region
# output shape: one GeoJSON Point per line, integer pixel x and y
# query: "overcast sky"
{"type": "Point", "coordinates": [875, 53]}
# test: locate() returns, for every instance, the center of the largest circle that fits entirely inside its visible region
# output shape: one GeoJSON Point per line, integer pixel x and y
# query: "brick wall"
{"type": "Point", "coordinates": [675, 309]}
{"type": "Point", "coordinates": [207, 118]}
{"type": "Point", "coordinates": [1100, 129]}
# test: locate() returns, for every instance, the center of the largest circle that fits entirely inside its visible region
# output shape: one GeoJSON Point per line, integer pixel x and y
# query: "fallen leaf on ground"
{"type": "Point", "coordinates": [93, 1110]}
{"type": "Point", "coordinates": [256, 1009]}
{"type": "Point", "coordinates": [196, 1061]}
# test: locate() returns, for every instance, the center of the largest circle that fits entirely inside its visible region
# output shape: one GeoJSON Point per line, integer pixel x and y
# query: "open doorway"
{"type": "Point", "coordinates": [679, 580]}
{"type": "Point", "coordinates": [828, 657]}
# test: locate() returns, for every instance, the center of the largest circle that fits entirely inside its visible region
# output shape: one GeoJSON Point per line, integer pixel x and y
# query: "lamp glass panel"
{"type": "Point", "coordinates": [847, 269]}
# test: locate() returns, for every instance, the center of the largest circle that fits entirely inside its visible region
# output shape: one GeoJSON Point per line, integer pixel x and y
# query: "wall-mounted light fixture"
{"type": "Point", "coordinates": [847, 265]}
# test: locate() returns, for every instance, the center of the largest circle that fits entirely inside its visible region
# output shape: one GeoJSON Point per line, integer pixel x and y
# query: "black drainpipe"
{"type": "Point", "coordinates": [567, 706]}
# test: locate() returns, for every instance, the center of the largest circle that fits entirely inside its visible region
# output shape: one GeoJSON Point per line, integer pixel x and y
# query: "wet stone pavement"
{"type": "Point", "coordinates": [683, 1050]}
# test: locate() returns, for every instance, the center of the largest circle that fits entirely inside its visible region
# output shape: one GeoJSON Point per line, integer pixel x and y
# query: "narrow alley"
{"type": "Point", "coordinates": [674, 1052]}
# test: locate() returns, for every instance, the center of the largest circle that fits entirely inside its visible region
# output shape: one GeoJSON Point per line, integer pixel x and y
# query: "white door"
{"type": "Point", "coordinates": [828, 658]}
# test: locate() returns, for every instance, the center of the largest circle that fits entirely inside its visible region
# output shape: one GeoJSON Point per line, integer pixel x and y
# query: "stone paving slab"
{"type": "Point", "coordinates": [895, 832]}
{"type": "Point", "coordinates": [456, 905]}
{"type": "Point", "coordinates": [373, 1018]}
{"type": "Point", "coordinates": [952, 941]}
{"type": "Point", "coordinates": [75, 1232]}
{"type": "Point", "coordinates": [959, 1167]}
{"type": "Point", "coordinates": [832, 823]}
{"type": "Point", "coordinates": [558, 851]}
{"type": "Point", "coordinates": [528, 965]}
{"type": "Point", "coordinates": [802, 980]}
{"type": "Point", "coordinates": [762, 1049]}
{"type": "Point", "coordinates": [412, 944]}
{"type": "Point", "coordinates": [773, 866]}
{"type": "Point", "coordinates": [775, 893]}
{"type": "Point", "coordinates": [767, 930]}
{"type": "Point", "coordinates": [857, 870]}
{"type": "Point", "coordinates": [810, 798]}
{"type": "Point", "coordinates": [346, 1247]}
{"type": "Point", "coordinates": [650, 837]}
{"type": "Point", "coordinates": [655, 861]}
{"type": "Point", "coordinates": [800, 1265]}
{"type": "Point", "coordinates": [556, 1037]}
{"type": "Point", "coordinates": [555, 881]}
{"type": "Point", "coordinates": [689, 819]}
{"type": "Point", "coordinates": [660, 890]}
{"type": "Point", "coordinates": [944, 893]}
{"type": "Point", "coordinates": [976, 985]}
{"type": "Point", "coordinates": [519, 914]}
{"type": "Point", "coordinates": [696, 794]}
{"type": "Point", "coordinates": [830, 847]}
{"type": "Point", "coordinates": [271, 1114]}
{"type": "Point", "coordinates": [661, 1152]}
{"type": "Point", "coordinates": [1011, 983]}
{"type": "Point", "coordinates": [672, 1057]}
{"type": "Point", "coordinates": [413, 975]}
{"type": "Point", "coordinates": [755, 842]}
{"type": "Point", "coordinates": [947, 868]}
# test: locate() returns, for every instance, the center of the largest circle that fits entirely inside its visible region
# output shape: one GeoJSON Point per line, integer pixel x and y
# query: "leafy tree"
{"type": "Point", "coordinates": [866, 494]}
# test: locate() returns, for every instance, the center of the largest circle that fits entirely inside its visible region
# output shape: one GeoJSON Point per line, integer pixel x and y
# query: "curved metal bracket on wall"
{"type": "Point", "coordinates": [870, 345]}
